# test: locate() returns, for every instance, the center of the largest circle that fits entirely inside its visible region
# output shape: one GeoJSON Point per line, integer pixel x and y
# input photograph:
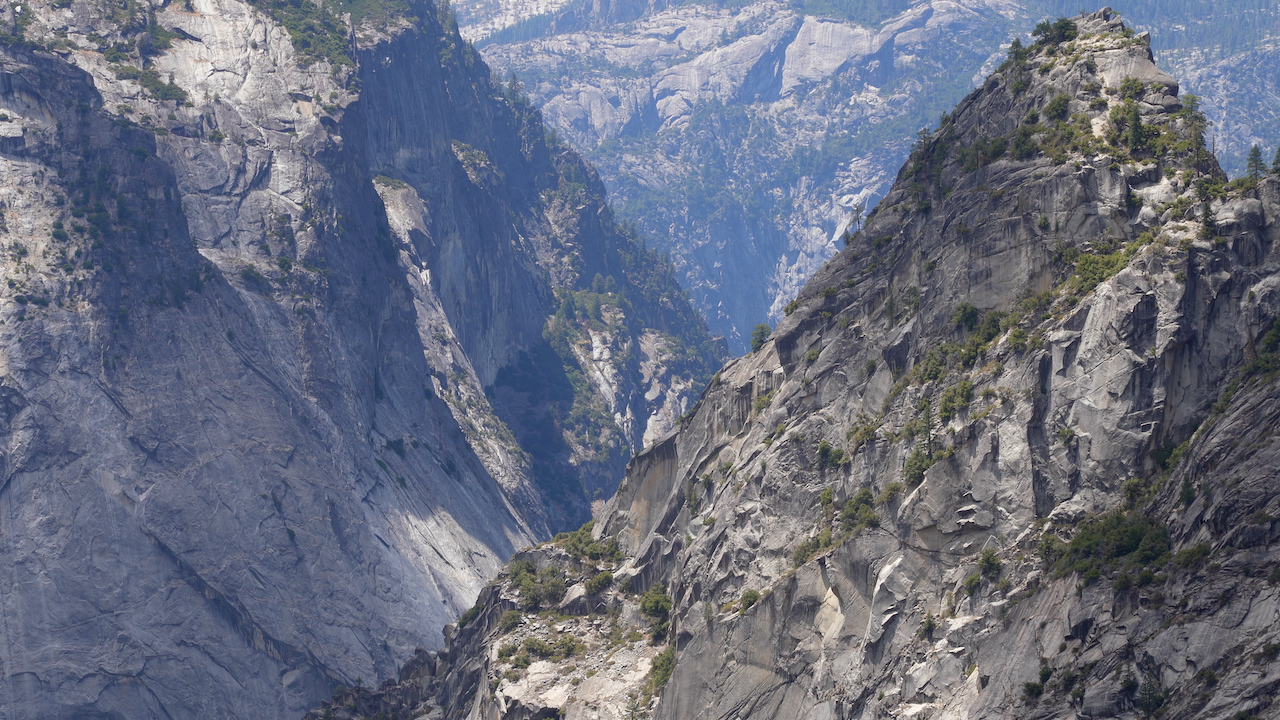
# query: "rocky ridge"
{"type": "Point", "coordinates": [741, 138]}
{"type": "Point", "coordinates": [1009, 454]}
{"type": "Point", "coordinates": [267, 276]}
{"type": "Point", "coordinates": [772, 120]}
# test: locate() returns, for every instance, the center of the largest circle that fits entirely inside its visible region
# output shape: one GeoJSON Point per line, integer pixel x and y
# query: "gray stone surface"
{"type": "Point", "coordinates": [1170, 349]}
{"type": "Point", "coordinates": [248, 453]}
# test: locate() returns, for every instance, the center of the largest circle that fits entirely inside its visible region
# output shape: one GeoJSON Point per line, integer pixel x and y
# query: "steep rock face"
{"type": "Point", "coordinates": [1007, 454]}
{"type": "Point", "coordinates": [250, 450]}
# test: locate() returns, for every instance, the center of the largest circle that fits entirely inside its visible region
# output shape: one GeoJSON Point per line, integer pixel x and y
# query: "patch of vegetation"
{"type": "Point", "coordinates": [861, 434]}
{"type": "Point", "coordinates": [955, 399]}
{"type": "Point", "coordinates": [763, 401]}
{"type": "Point", "coordinates": [663, 665]}
{"type": "Point", "coordinates": [583, 546]}
{"type": "Point", "coordinates": [599, 581]}
{"type": "Point", "coordinates": [859, 512]}
{"type": "Point", "coordinates": [1112, 540]}
{"type": "Point", "coordinates": [150, 81]}
{"type": "Point", "coordinates": [830, 456]}
{"type": "Point", "coordinates": [655, 605]}
{"type": "Point", "coordinates": [759, 335]}
{"type": "Point", "coordinates": [891, 491]}
{"type": "Point", "coordinates": [928, 626]}
{"type": "Point", "coordinates": [1092, 270]}
{"type": "Point", "coordinates": [1192, 558]}
{"type": "Point", "coordinates": [536, 588]}
{"type": "Point", "coordinates": [1051, 34]}
{"type": "Point", "coordinates": [749, 598]}
{"type": "Point", "coordinates": [509, 620]}
{"type": "Point", "coordinates": [918, 462]}
{"type": "Point", "coordinates": [989, 563]}
{"type": "Point", "coordinates": [469, 615]}
{"type": "Point", "coordinates": [812, 546]}
{"type": "Point", "coordinates": [317, 30]}
{"type": "Point", "coordinates": [972, 583]}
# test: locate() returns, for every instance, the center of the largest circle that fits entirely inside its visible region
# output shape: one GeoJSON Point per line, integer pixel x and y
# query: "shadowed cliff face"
{"type": "Point", "coordinates": [259, 292]}
{"type": "Point", "coordinates": [1006, 455]}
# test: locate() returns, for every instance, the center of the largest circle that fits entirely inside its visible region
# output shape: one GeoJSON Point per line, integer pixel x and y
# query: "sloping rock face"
{"type": "Point", "coordinates": [1009, 454]}
{"type": "Point", "coordinates": [261, 288]}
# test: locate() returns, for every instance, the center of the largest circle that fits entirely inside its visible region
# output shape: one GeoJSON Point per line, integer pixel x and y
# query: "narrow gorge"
{"type": "Point", "coordinates": [1010, 453]}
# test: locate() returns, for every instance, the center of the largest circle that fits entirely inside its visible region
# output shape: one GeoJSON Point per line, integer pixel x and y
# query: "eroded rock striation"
{"type": "Point", "coordinates": [1009, 454]}
{"type": "Point", "coordinates": [267, 286]}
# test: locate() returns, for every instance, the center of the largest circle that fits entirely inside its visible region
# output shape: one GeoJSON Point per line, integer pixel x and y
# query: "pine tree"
{"type": "Point", "coordinates": [1275, 164]}
{"type": "Point", "coordinates": [1254, 165]}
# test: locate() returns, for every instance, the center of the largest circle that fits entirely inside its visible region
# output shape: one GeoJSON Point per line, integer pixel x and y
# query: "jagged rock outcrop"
{"type": "Point", "coordinates": [263, 282]}
{"type": "Point", "coordinates": [1009, 454]}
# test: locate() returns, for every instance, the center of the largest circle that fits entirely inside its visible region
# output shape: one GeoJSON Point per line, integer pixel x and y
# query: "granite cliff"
{"type": "Point", "coordinates": [1010, 453]}
{"type": "Point", "coordinates": [280, 283]}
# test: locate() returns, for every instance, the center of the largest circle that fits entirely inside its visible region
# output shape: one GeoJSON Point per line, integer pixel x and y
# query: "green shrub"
{"type": "Point", "coordinates": [509, 620]}
{"type": "Point", "coordinates": [966, 316]}
{"type": "Point", "coordinates": [581, 545]}
{"type": "Point", "coordinates": [1187, 494]}
{"type": "Point", "coordinates": [566, 646]}
{"type": "Point", "coordinates": [1092, 270]}
{"type": "Point", "coordinates": [663, 665]}
{"type": "Point", "coordinates": [763, 401]}
{"type": "Point", "coordinates": [918, 462]}
{"type": "Point", "coordinates": [539, 647]}
{"type": "Point", "coordinates": [1049, 34]}
{"type": "Point", "coordinates": [890, 491]}
{"type": "Point", "coordinates": [469, 615]}
{"type": "Point", "coordinates": [1109, 540]}
{"type": "Point", "coordinates": [749, 598]}
{"type": "Point", "coordinates": [759, 335]}
{"type": "Point", "coordinates": [150, 80]}
{"type": "Point", "coordinates": [1018, 340]}
{"type": "Point", "coordinates": [656, 603]}
{"type": "Point", "coordinates": [972, 583]}
{"type": "Point", "coordinates": [989, 564]}
{"type": "Point", "coordinates": [318, 31]}
{"type": "Point", "coordinates": [1169, 455]}
{"type": "Point", "coordinates": [831, 456]}
{"type": "Point", "coordinates": [851, 515]}
{"type": "Point", "coordinates": [1057, 108]}
{"type": "Point", "coordinates": [599, 582]}
{"type": "Point", "coordinates": [955, 399]}
{"type": "Point", "coordinates": [1192, 557]}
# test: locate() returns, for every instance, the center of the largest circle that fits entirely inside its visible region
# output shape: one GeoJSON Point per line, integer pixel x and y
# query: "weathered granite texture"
{"type": "Point", "coordinates": [255, 307]}
{"type": "Point", "coordinates": [890, 512]}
